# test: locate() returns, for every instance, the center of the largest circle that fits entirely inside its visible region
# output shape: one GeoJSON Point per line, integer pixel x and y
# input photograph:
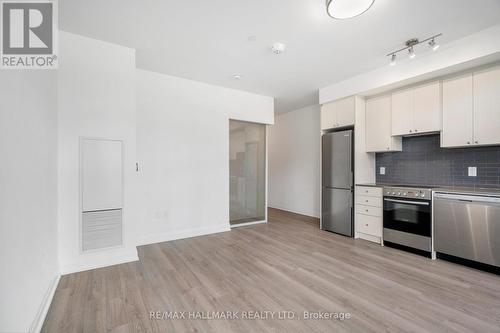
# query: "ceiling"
{"type": "Point", "coordinates": [208, 41]}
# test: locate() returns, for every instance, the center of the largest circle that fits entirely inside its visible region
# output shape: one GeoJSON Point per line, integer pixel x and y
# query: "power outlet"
{"type": "Point", "coordinates": [472, 172]}
{"type": "Point", "coordinates": [382, 170]}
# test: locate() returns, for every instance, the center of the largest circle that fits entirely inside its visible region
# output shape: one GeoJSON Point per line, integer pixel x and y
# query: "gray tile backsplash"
{"type": "Point", "coordinates": [424, 162]}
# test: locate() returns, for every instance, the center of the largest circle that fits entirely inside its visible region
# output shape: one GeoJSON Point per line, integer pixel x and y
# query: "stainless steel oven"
{"type": "Point", "coordinates": [408, 217]}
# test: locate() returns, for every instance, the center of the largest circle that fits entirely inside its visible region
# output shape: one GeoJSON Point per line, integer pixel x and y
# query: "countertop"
{"type": "Point", "coordinates": [448, 189]}
{"type": "Point", "coordinates": [468, 190]}
{"type": "Point", "coordinates": [373, 184]}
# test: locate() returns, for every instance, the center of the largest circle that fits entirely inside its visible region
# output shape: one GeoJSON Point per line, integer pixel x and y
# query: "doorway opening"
{"type": "Point", "coordinates": [247, 173]}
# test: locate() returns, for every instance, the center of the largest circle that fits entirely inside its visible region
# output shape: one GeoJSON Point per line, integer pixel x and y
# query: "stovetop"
{"type": "Point", "coordinates": [409, 191]}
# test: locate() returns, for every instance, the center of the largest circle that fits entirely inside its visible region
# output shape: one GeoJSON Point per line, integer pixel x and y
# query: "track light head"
{"type": "Point", "coordinates": [411, 52]}
{"type": "Point", "coordinates": [393, 59]}
{"type": "Point", "coordinates": [433, 45]}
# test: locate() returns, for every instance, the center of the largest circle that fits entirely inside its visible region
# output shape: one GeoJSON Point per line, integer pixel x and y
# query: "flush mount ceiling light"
{"type": "Point", "coordinates": [410, 46]}
{"type": "Point", "coordinates": [344, 9]}
{"type": "Point", "coordinates": [236, 76]}
{"type": "Point", "coordinates": [278, 48]}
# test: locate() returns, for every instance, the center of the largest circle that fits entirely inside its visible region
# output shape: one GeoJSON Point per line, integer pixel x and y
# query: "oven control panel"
{"type": "Point", "coordinates": [408, 192]}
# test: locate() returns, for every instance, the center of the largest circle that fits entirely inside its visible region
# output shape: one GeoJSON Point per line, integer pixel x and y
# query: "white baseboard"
{"type": "Point", "coordinates": [187, 233]}
{"type": "Point", "coordinates": [37, 324]}
{"type": "Point", "coordinates": [315, 215]}
{"type": "Point", "coordinates": [94, 260]}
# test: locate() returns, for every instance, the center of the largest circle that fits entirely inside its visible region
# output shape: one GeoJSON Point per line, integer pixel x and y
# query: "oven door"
{"type": "Point", "coordinates": [411, 216]}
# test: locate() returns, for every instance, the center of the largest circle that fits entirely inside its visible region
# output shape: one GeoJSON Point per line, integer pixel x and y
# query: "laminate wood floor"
{"type": "Point", "coordinates": [285, 265]}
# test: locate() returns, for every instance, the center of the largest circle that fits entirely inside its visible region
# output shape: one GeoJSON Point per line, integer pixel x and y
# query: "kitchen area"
{"type": "Point", "coordinates": [417, 167]}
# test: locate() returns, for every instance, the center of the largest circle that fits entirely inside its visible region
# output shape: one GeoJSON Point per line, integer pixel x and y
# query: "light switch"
{"type": "Point", "coordinates": [382, 170]}
{"type": "Point", "coordinates": [472, 172]}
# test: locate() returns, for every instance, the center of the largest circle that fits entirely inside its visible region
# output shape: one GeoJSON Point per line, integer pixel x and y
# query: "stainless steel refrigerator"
{"type": "Point", "coordinates": [337, 182]}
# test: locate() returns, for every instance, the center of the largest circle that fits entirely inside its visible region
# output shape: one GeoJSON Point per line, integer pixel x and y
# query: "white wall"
{"type": "Point", "coordinates": [96, 98]}
{"type": "Point", "coordinates": [28, 197]}
{"type": "Point", "coordinates": [294, 161]}
{"type": "Point", "coordinates": [183, 151]}
{"type": "Point", "coordinates": [471, 49]}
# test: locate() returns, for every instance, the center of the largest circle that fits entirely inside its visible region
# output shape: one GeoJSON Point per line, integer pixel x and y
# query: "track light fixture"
{"type": "Point", "coordinates": [410, 46]}
{"type": "Point", "coordinates": [393, 59]}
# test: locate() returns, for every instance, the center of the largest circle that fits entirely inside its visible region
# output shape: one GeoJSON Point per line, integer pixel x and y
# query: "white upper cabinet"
{"type": "Point", "coordinates": [471, 109]}
{"type": "Point", "coordinates": [402, 112]}
{"type": "Point", "coordinates": [457, 112]}
{"type": "Point", "coordinates": [346, 113]}
{"type": "Point", "coordinates": [378, 126]}
{"type": "Point", "coordinates": [328, 116]}
{"type": "Point", "coordinates": [338, 113]}
{"type": "Point", "coordinates": [417, 110]}
{"type": "Point", "coordinates": [428, 108]}
{"type": "Point", "coordinates": [486, 87]}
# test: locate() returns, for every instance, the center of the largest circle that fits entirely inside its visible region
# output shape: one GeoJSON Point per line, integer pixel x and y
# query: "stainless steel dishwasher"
{"type": "Point", "coordinates": [468, 226]}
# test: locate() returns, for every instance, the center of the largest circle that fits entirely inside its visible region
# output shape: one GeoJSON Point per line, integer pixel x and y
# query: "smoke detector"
{"type": "Point", "coordinates": [278, 48]}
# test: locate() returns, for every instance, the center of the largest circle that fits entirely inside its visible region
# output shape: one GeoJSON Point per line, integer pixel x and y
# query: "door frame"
{"type": "Point", "coordinates": [266, 179]}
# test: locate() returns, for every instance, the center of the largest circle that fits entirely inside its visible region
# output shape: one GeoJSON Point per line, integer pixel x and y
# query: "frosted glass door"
{"type": "Point", "coordinates": [247, 172]}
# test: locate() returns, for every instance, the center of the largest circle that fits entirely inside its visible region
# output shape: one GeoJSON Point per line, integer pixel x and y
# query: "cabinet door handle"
{"type": "Point", "coordinates": [476, 142]}
{"type": "Point", "coordinates": [410, 131]}
{"type": "Point", "coordinates": [416, 131]}
{"type": "Point", "coordinates": [366, 224]}
{"type": "Point", "coordinates": [468, 142]}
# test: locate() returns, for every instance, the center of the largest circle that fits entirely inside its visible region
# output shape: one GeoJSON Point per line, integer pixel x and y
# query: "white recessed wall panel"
{"type": "Point", "coordinates": [102, 174]}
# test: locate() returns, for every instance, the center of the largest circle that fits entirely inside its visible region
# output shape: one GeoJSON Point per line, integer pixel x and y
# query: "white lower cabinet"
{"type": "Point", "coordinates": [368, 215]}
{"type": "Point", "coordinates": [369, 225]}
